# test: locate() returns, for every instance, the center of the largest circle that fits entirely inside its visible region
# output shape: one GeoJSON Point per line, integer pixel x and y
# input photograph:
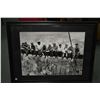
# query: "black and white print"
{"type": "Point", "coordinates": [52, 53]}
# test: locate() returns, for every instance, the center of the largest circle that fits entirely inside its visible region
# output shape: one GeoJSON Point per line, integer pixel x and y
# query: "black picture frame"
{"type": "Point", "coordinates": [13, 29]}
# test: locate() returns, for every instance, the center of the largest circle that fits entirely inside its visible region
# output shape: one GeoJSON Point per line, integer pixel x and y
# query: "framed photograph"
{"type": "Point", "coordinates": [51, 51]}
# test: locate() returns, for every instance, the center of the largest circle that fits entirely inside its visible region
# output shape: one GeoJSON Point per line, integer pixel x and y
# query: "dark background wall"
{"type": "Point", "coordinates": [5, 67]}
{"type": "Point", "coordinates": [96, 71]}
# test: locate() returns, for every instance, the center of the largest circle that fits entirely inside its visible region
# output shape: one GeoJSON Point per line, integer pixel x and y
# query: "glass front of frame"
{"type": "Point", "coordinates": [52, 53]}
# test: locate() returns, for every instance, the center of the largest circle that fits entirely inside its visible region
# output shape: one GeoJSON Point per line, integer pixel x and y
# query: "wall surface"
{"type": "Point", "coordinates": [96, 71]}
{"type": "Point", "coordinates": [98, 32]}
{"type": "Point", "coordinates": [5, 68]}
